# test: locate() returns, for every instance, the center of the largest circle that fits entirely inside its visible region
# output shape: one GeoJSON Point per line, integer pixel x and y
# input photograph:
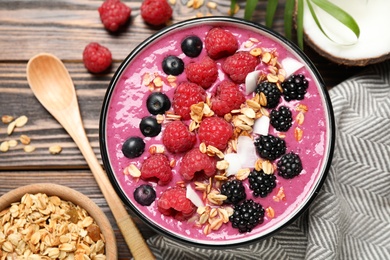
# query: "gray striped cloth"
{"type": "Point", "coordinates": [350, 218]}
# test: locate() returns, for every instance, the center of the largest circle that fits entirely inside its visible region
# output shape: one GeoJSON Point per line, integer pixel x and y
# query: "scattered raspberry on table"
{"type": "Point", "coordinates": [96, 57]}
{"type": "Point", "coordinates": [156, 12]}
{"type": "Point", "coordinates": [114, 14]}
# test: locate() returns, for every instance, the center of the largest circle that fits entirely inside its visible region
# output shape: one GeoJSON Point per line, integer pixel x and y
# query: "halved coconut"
{"type": "Point", "coordinates": [372, 46]}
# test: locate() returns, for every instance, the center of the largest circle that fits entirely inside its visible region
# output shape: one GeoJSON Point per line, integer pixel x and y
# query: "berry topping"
{"type": "Point", "coordinates": [247, 215]}
{"type": "Point", "coordinates": [187, 94]}
{"type": "Point", "coordinates": [220, 43]}
{"type": "Point", "coordinates": [289, 165]}
{"type": "Point", "coordinates": [215, 131]}
{"type": "Point", "coordinates": [173, 202]}
{"type": "Point", "coordinates": [227, 97]}
{"type": "Point", "coordinates": [204, 72]}
{"type": "Point", "coordinates": [149, 126]}
{"type": "Point", "coordinates": [234, 191]}
{"type": "Point", "coordinates": [157, 167]}
{"type": "Point", "coordinates": [177, 138]}
{"type": "Point", "coordinates": [192, 46]}
{"type": "Point", "coordinates": [270, 147]}
{"type": "Point", "coordinates": [195, 162]}
{"type": "Point", "coordinates": [158, 103]}
{"type": "Point", "coordinates": [173, 65]}
{"type": "Point", "coordinates": [133, 147]}
{"type": "Point", "coordinates": [271, 92]}
{"type": "Point", "coordinates": [281, 119]}
{"type": "Point", "coordinates": [156, 12]}
{"type": "Point", "coordinates": [144, 194]}
{"type": "Point", "coordinates": [114, 14]}
{"type": "Point", "coordinates": [239, 65]}
{"type": "Point", "coordinates": [261, 183]}
{"type": "Point", "coordinates": [294, 88]}
{"type": "Point", "coordinates": [96, 57]}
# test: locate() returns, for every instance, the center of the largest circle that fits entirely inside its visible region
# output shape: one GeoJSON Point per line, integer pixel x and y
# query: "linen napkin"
{"type": "Point", "coordinates": [350, 217]}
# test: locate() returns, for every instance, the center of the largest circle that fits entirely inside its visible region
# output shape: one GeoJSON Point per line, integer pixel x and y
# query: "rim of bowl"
{"type": "Point", "coordinates": [232, 21]}
{"type": "Point", "coordinates": [67, 194]}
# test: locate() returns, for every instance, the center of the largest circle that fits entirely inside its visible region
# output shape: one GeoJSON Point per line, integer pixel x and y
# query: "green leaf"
{"type": "Point", "coordinates": [249, 8]}
{"type": "Point", "coordinates": [288, 18]}
{"type": "Point", "coordinates": [270, 12]}
{"type": "Point", "coordinates": [232, 6]}
{"type": "Point", "coordinates": [300, 24]}
{"type": "Point", "coordinates": [337, 13]}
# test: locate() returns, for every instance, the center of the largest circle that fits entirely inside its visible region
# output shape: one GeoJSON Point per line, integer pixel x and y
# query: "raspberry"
{"type": "Point", "coordinates": [203, 73]}
{"type": "Point", "coordinates": [281, 119]}
{"type": "Point", "coordinates": [270, 147]}
{"type": "Point", "coordinates": [239, 65]}
{"type": "Point", "coordinates": [247, 215]}
{"type": "Point", "coordinates": [220, 43]}
{"type": "Point", "coordinates": [173, 202]}
{"type": "Point", "coordinates": [261, 183]}
{"type": "Point", "coordinates": [114, 14]}
{"type": "Point", "coordinates": [234, 191]}
{"type": "Point", "coordinates": [187, 94]}
{"type": "Point", "coordinates": [294, 88]}
{"type": "Point", "coordinates": [96, 57]}
{"type": "Point", "coordinates": [156, 12]}
{"type": "Point", "coordinates": [271, 93]}
{"type": "Point", "coordinates": [157, 167]}
{"type": "Point", "coordinates": [289, 165]}
{"type": "Point", "coordinates": [227, 97]}
{"type": "Point", "coordinates": [215, 131]}
{"type": "Point", "coordinates": [194, 162]}
{"type": "Point", "coordinates": [177, 138]}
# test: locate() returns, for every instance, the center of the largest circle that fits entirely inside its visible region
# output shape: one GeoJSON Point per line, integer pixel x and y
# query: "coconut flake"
{"type": "Point", "coordinates": [193, 196]}
{"type": "Point", "coordinates": [251, 81]}
{"type": "Point", "coordinates": [291, 65]}
{"type": "Point", "coordinates": [234, 163]}
{"type": "Point", "coordinates": [246, 150]}
{"type": "Point", "coordinates": [261, 125]}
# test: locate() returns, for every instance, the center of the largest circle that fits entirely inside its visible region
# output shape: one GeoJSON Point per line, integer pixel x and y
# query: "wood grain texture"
{"type": "Point", "coordinates": [64, 28]}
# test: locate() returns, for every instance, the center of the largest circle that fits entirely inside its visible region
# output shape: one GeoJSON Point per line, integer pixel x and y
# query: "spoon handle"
{"type": "Point", "coordinates": [129, 230]}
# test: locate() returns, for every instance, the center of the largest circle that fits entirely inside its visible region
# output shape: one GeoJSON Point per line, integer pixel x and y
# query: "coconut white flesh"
{"type": "Point", "coordinates": [246, 150]}
{"type": "Point", "coordinates": [261, 125]}
{"type": "Point", "coordinates": [373, 18]}
{"type": "Point", "coordinates": [291, 65]}
{"type": "Point", "coordinates": [193, 196]}
{"type": "Point", "coordinates": [234, 163]}
{"type": "Point", "coordinates": [251, 81]}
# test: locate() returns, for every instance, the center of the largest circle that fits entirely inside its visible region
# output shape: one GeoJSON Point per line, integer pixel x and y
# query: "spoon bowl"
{"type": "Point", "coordinates": [53, 87]}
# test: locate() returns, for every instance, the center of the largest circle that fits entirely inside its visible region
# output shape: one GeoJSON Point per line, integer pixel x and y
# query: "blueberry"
{"type": "Point", "coordinates": [192, 46]}
{"type": "Point", "coordinates": [149, 126]}
{"type": "Point", "coordinates": [133, 147]}
{"type": "Point", "coordinates": [144, 194]}
{"type": "Point", "coordinates": [173, 65]}
{"type": "Point", "coordinates": [158, 103]}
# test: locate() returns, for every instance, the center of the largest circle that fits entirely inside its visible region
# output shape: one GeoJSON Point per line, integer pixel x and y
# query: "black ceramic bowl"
{"type": "Point", "coordinates": [311, 135]}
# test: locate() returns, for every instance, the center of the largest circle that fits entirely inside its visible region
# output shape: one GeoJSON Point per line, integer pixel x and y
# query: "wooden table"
{"type": "Point", "coordinates": [64, 28]}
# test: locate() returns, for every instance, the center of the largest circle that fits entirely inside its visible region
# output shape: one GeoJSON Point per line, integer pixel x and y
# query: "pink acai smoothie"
{"type": "Point", "coordinates": [127, 106]}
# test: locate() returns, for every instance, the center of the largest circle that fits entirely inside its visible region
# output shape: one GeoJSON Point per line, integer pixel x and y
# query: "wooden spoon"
{"type": "Point", "coordinates": [53, 87]}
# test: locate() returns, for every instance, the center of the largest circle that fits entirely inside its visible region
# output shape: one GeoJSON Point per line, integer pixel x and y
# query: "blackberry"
{"type": "Point", "coordinates": [270, 147]}
{"type": "Point", "coordinates": [294, 88]}
{"type": "Point", "coordinates": [234, 191]}
{"type": "Point", "coordinates": [261, 183]}
{"type": "Point", "coordinates": [289, 165]}
{"type": "Point", "coordinates": [247, 215]}
{"type": "Point", "coordinates": [281, 119]}
{"type": "Point", "coordinates": [271, 92]}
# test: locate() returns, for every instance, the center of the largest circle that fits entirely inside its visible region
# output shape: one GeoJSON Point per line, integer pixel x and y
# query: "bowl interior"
{"type": "Point", "coordinates": [124, 106]}
{"type": "Point", "coordinates": [67, 194]}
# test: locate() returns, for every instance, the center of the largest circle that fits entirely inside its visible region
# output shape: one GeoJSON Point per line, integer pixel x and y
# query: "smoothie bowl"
{"type": "Point", "coordinates": [217, 132]}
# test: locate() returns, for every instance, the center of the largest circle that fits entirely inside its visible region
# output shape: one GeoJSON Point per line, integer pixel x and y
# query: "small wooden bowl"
{"type": "Point", "coordinates": [77, 198]}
